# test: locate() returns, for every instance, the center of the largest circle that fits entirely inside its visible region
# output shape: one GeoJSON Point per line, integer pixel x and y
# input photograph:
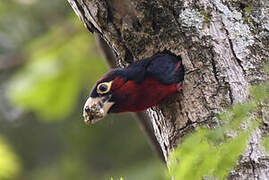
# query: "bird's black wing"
{"type": "Point", "coordinates": [166, 68]}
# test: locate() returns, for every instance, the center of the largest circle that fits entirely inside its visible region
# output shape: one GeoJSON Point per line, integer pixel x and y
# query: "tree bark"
{"type": "Point", "coordinates": [223, 44]}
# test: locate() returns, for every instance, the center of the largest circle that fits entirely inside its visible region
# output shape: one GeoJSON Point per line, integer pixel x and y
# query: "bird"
{"type": "Point", "coordinates": [141, 85]}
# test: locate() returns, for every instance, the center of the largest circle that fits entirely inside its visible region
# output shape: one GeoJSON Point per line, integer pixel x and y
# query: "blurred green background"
{"type": "Point", "coordinates": [48, 63]}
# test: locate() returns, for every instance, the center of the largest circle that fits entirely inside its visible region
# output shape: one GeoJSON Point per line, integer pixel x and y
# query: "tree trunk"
{"type": "Point", "coordinates": [223, 44]}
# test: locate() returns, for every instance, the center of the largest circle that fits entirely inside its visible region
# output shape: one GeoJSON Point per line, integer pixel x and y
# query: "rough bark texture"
{"type": "Point", "coordinates": [224, 45]}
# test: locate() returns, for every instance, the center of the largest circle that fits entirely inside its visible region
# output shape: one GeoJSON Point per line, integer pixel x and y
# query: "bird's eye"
{"type": "Point", "coordinates": [103, 88]}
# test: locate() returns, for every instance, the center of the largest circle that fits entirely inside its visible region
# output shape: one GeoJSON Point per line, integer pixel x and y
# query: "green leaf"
{"type": "Point", "coordinates": [228, 154]}
{"type": "Point", "coordinates": [9, 162]}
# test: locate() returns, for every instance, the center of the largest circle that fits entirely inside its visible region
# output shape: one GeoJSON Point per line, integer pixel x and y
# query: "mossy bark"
{"type": "Point", "coordinates": [223, 44]}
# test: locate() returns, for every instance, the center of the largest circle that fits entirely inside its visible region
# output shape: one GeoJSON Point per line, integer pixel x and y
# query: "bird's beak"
{"type": "Point", "coordinates": [96, 108]}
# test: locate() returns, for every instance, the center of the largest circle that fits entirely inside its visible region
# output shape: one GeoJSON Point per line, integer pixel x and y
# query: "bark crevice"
{"type": "Point", "coordinates": [251, 161]}
{"type": "Point", "coordinates": [233, 51]}
{"type": "Point", "coordinates": [214, 68]}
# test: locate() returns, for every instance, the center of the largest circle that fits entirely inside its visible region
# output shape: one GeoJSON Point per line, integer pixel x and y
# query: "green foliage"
{"type": "Point", "coordinates": [121, 178]}
{"type": "Point", "coordinates": [3, 7]}
{"type": "Point", "coordinates": [214, 152]}
{"type": "Point", "coordinates": [198, 156]}
{"type": "Point", "coordinates": [9, 163]}
{"type": "Point", "coordinates": [59, 67]}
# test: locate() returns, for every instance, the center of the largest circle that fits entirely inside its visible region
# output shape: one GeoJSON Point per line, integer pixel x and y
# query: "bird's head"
{"type": "Point", "coordinates": [102, 96]}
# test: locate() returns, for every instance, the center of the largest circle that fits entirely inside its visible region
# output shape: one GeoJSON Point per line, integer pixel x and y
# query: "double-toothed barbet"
{"type": "Point", "coordinates": [135, 88]}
